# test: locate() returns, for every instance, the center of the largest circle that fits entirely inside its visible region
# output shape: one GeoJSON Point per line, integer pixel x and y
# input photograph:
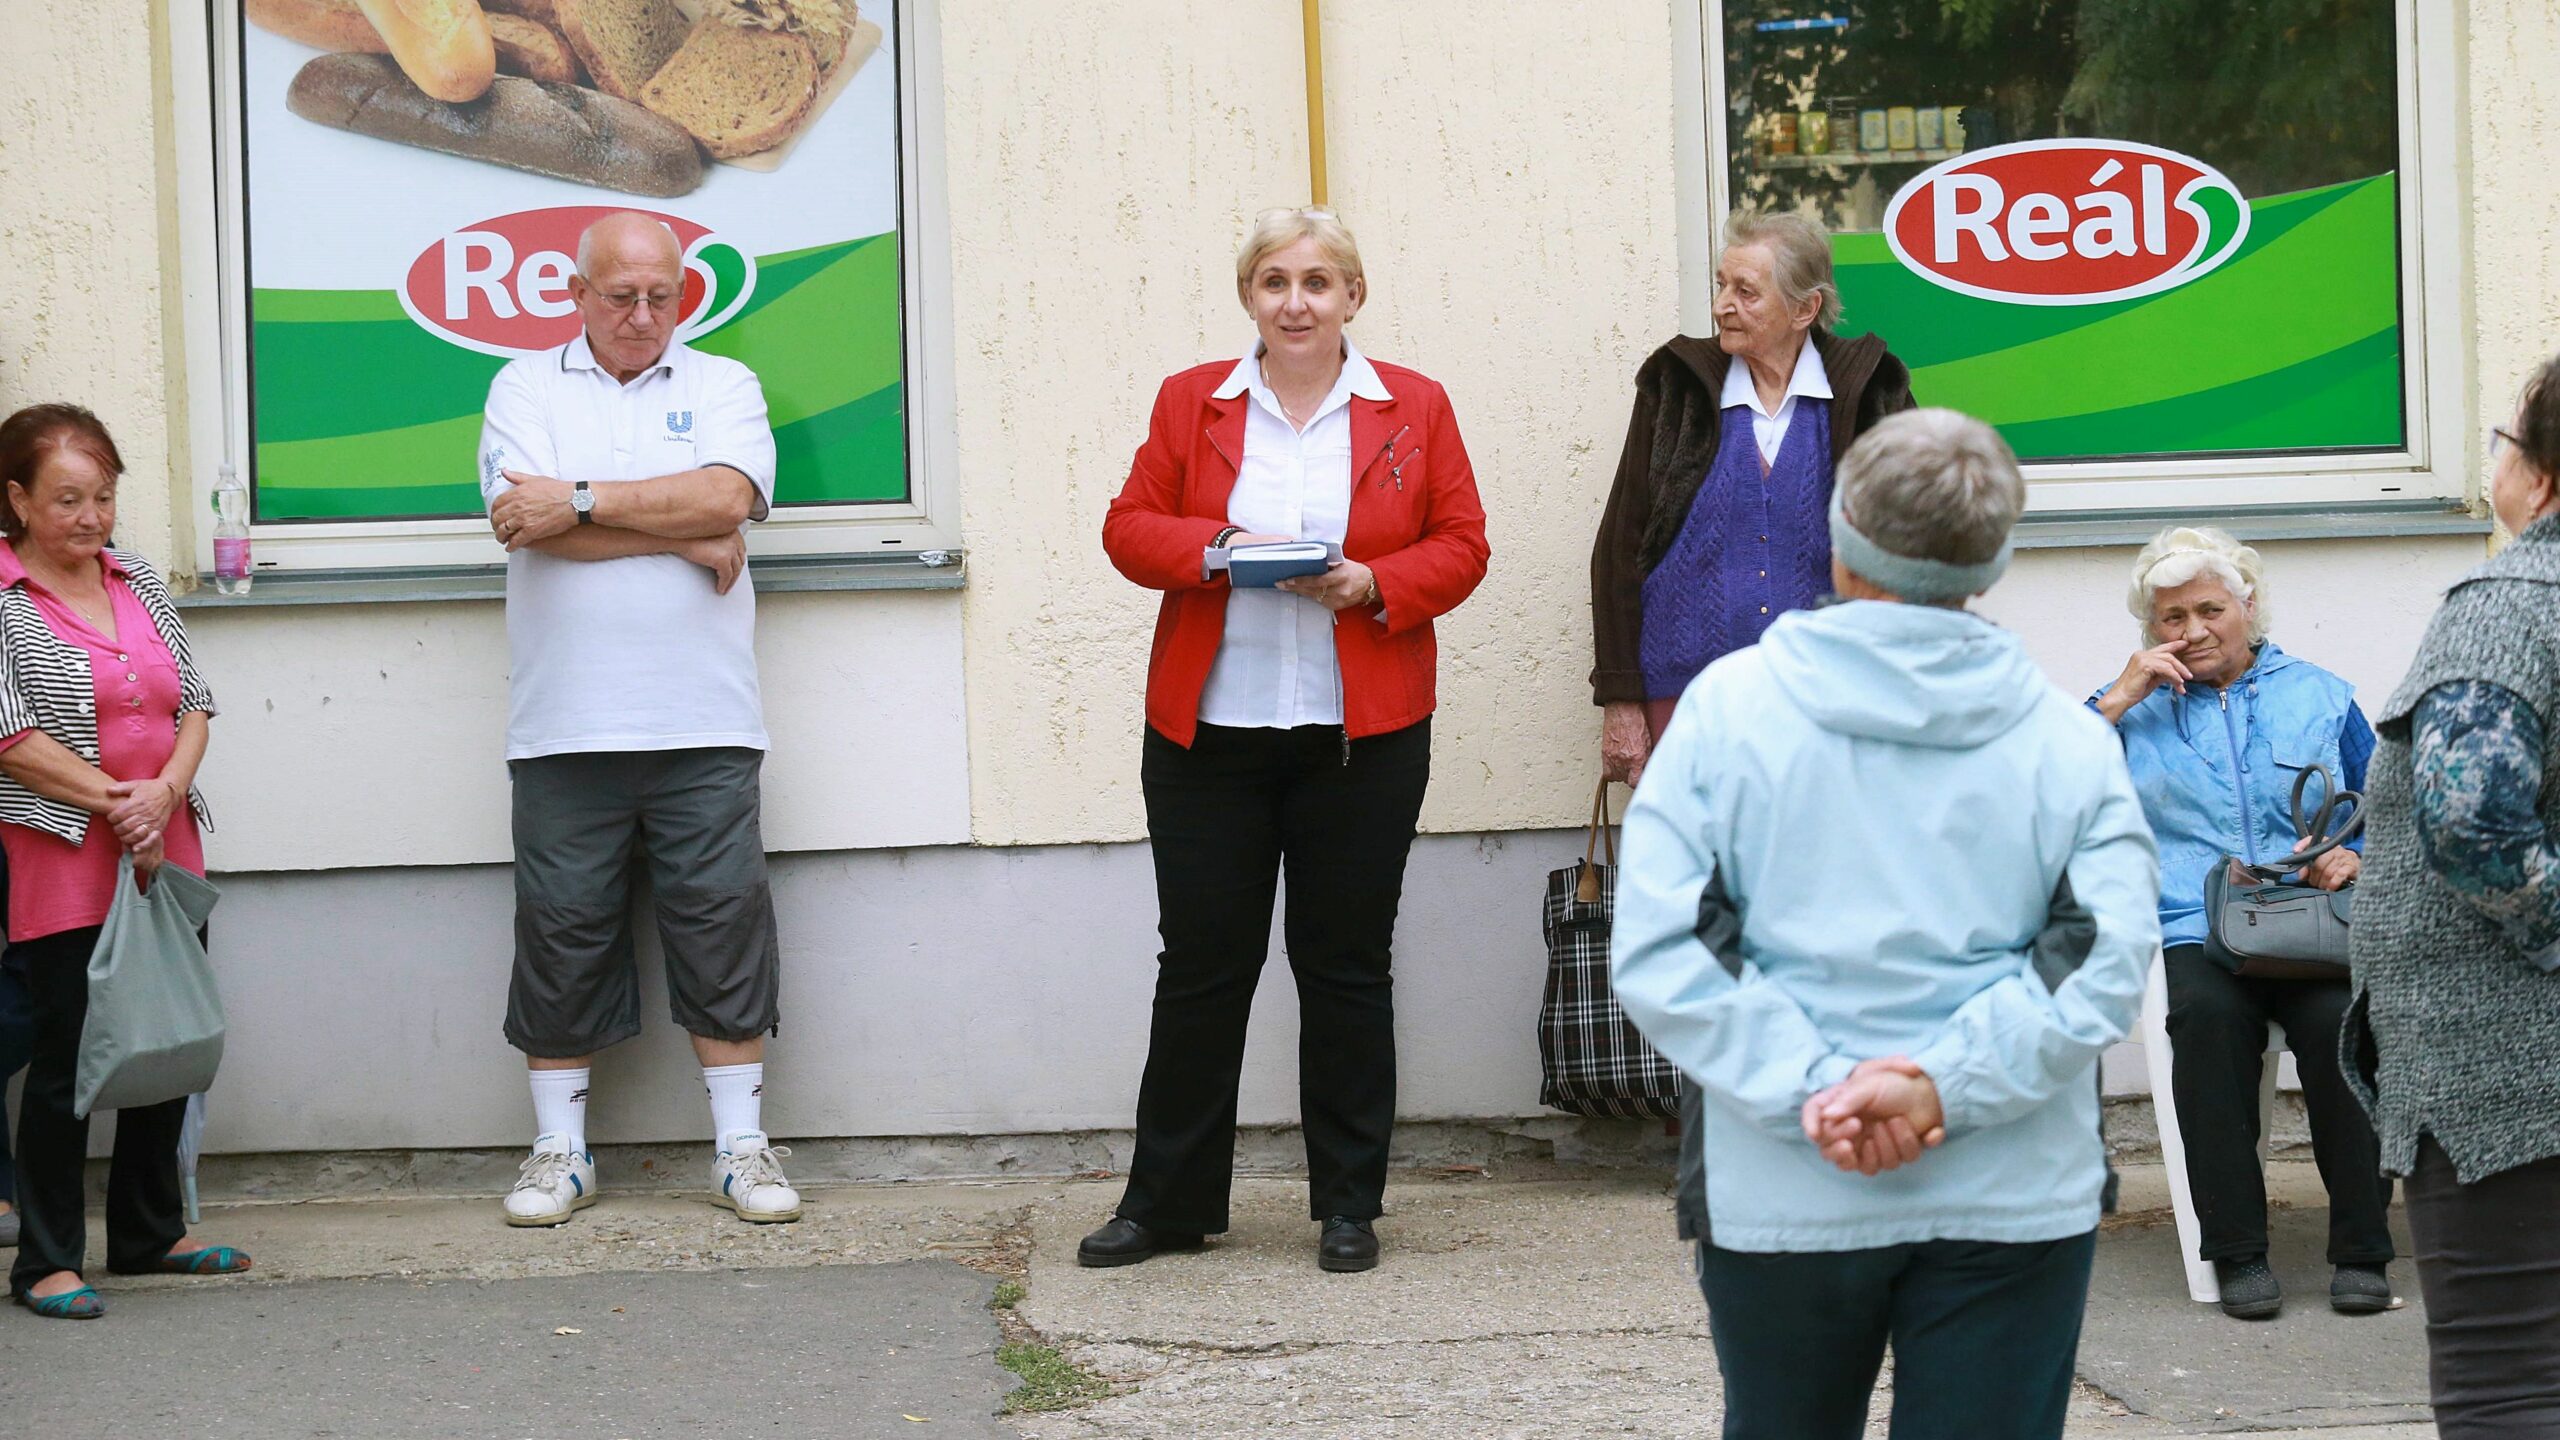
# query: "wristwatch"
{"type": "Point", "coordinates": [583, 500]}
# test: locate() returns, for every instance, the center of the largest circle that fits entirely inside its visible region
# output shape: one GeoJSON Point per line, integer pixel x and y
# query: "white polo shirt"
{"type": "Point", "coordinates": [636, 653]}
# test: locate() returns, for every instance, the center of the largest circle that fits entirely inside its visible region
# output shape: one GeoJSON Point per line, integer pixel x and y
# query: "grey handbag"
{"type": "Point", "coordinates": [155, 1023]}
{"type": "Point", "coordinates": [2260, 926]}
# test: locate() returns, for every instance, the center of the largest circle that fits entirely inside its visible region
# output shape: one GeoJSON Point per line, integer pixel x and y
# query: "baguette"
{"type": "Point", "coordinates": [332, 25]}
{"type": "Point", "coordinates": [443, 45]}
{"type": "Point", "coordinates": [532, 49]}
{"type": "Point", "coordinates": [566, 131]}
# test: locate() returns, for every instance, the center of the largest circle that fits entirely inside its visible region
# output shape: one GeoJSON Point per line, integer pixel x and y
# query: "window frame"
{"type": "Point", "coordinates": [205, 124]}
{"type": "Point", "coordinates": [2435, 467]}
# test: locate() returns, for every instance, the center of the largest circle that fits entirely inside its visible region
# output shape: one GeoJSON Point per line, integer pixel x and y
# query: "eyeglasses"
{"type": "Point", "coordinates": [661, 303]}
{"type": "Point", "coordinates": [2499, 440]}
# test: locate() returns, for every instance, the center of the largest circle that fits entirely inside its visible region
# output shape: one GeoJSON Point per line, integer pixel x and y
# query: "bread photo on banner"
{"type": "Point", "coordinates": [748, 76]}
{"type": "Point", "coordinates": [522, 40]}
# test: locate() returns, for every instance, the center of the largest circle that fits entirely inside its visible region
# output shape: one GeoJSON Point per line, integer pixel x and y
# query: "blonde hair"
{"type": "Point", "coordinates": [1799, 258]}
{"type": "Point", "coordinates": [2185, 552]}
{"type": "Point", "coordinates": [1277, 230]}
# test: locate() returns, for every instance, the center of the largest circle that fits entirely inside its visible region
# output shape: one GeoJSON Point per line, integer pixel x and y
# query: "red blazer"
{"type": "Point", "coordinates": [1415, 522]}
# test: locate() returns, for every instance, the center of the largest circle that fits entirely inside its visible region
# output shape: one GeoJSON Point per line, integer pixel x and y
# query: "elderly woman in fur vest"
{"type": "Point", "coordinates": [1715, 525]}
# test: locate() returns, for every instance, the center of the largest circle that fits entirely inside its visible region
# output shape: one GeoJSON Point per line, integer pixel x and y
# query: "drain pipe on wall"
{"type": "Point", "coordinates": [1314, 14]}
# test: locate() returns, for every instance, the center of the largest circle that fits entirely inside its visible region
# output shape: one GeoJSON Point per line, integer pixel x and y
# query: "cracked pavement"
{"type": "Point", "coordinates": [1530, 1302]}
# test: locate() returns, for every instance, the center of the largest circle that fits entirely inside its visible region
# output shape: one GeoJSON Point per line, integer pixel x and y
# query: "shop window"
{"type": "Point", "coordinates": [364, 256]}
{"type": "Point", "coordinates": [2125, 232]}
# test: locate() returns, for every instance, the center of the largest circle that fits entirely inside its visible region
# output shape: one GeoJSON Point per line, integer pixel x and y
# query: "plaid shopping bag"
{"type": "Point", "coordinates": [1592, 1059]}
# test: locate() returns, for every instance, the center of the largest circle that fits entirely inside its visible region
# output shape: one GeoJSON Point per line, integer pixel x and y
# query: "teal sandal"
{"type": "Point", "coordinates": [211, 1260]}
{"type": "Point", "coordinates": [80, 1304]}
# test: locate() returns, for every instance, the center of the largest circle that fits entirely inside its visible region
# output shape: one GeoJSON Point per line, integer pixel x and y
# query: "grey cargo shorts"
{"type": "Point", "coordinates": [584, 824]}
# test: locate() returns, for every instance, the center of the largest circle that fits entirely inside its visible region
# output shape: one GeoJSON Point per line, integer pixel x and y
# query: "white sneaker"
{"type": "Point", "coordinates": [552, 1186]}
{"type": "Point", "coordinates": [749, 1181]}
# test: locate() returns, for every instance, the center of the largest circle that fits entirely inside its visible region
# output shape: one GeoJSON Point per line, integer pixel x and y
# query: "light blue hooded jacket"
{"type": "Point", "coordinates": [1881, 832]}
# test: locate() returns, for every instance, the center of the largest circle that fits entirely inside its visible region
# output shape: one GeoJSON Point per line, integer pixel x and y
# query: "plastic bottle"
{"type": "Point", "coordinates": [231, 573]}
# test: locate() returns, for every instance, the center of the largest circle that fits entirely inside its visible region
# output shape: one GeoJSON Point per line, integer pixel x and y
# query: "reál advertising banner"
{"type": "Point", "coordinates": [418, 173]}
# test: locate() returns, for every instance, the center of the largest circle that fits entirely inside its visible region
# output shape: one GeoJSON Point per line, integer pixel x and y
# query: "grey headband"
{"type": "Point", "coordinates": [1929, 582]}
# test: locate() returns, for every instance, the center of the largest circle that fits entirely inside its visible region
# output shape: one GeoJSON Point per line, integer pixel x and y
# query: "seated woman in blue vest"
{"type": "Point", "coordinates": [2217, 723]}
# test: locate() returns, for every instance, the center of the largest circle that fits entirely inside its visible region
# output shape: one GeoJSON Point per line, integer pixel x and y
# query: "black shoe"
{"type": "Point", "coordinates": [2360, 1290]}
{"type": "Point", "coordinates": [1126, 1242]}
{"type": "Point", "coordinates": [1347, 1245]}
{"type": "Point", "coordinates": [2107, 1197]}
{"type": "Point", "coordinates": [2249, 1289]}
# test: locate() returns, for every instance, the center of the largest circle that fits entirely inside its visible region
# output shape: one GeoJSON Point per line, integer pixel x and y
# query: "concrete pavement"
{"type": "Point", "coordinates": [1531, 1302]}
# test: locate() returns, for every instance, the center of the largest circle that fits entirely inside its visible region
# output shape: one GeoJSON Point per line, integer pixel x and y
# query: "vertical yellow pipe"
{"type": "Point", "coordinates": [1313, 10]}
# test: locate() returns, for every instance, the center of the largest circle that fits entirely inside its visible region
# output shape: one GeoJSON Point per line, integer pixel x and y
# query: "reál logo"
{"type": "Point", "coordinates": [2066, 222]}
{"type": "Point", "coordinates": [501, 287]}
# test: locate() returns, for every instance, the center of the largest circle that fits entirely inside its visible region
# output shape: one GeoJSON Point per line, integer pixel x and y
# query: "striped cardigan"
{"type": "Point", "coordinates": [45, 685]}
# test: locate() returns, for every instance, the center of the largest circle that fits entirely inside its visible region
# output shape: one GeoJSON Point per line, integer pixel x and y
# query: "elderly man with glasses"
{"type": "Point", "coordinates": [620, 470]}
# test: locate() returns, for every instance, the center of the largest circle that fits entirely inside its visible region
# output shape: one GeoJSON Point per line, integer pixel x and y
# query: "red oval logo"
{"type": "Point", "coordinates": [2066, 222]}
{"type": "Point", "coordinates": [501, 286]}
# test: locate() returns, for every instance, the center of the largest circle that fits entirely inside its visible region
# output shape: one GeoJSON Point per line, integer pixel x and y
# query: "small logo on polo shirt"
{"type": "Point", "coordinates": [679, 422]}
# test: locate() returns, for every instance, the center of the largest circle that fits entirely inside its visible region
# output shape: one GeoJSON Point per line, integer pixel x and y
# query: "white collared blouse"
{"type": "Point", "coordinates": [1275, 667]}
{"type": "Point", "coordinates": [1770, 429]}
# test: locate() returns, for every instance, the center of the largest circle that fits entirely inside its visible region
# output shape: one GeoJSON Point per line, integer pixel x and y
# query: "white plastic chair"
{"type": "Point", "coordinates": [2202, 1287]}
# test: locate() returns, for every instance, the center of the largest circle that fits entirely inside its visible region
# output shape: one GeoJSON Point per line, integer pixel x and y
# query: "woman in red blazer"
{"type": "Point", "coordinates": [1287, 727]}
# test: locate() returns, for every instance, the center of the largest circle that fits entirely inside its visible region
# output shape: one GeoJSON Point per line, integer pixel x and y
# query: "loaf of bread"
{"type": "Point", "coordinates": [333, 25]}
{"type": "Point", "coordinates": [444, 45]}
{"type": "Point", "coordinates": [532, 49]}
{"type": "Point", "coordinates": [737, 90]}
{"type": "Point", "coordinates": [622, 42]}
{"type": "Point", "coordinates": [566, 131]}
{"type": "Point", "coordinates": [540, 12]}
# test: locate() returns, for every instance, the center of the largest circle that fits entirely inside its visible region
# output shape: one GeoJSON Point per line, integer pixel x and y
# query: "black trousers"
{"type": "Point", "coordinates": [1983, 1336]}
{"type": "Point", "coordinates": [1228, 817]}
{"type": "Point", "coordinates": [2218, 1042]}
{"type": "Point", "coordinates": [2489, 1267]}
{"type": "Point", "coordinates": [146, 1214]}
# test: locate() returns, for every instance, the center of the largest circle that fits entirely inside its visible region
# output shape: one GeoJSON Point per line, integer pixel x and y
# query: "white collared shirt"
{"type": "Point", "coordinates": [1809, 379]}
{"type": "Point", "coordinates": [1275, 668]}
{"type": "Point", "coordinates": [636, 653]}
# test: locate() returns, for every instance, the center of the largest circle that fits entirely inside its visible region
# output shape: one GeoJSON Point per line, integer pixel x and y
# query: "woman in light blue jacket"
{"type": "Point", "coordinates": [1884, 886]}
{"type": "Point", "coordinates": [2218, 724]}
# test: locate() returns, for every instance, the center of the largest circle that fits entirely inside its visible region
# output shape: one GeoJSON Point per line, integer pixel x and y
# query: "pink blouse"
{"type": "Point", "coordinates": [55, 887]}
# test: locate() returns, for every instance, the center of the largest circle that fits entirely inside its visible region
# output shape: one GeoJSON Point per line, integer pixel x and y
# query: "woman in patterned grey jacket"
{"type": "Point", "coordinates": [2455, 1029]}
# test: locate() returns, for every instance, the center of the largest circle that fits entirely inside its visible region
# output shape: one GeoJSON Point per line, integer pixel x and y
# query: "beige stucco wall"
{"type": "Point", "coordinates": [2511, 50]}
{"type": "Point", "coordinates": [82, 219]}
{"type": "Point", "coordinates": [1507, 168]}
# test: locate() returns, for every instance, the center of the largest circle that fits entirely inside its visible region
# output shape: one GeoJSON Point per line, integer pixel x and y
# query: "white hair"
{"type": "Point", "coordinates": [2185, 553]}
{"type": "Point", "coordinates": [1799, 259]}
{"type": "Point", "coordinates": [1933, 484]}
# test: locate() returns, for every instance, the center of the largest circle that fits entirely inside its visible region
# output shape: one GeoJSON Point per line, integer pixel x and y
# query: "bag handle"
{"type": "Point", "coordinates": [1586, 888]}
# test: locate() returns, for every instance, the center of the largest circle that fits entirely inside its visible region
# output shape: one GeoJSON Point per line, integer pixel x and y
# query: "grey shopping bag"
{"type": "Point", "coordinates": [155, 1024]}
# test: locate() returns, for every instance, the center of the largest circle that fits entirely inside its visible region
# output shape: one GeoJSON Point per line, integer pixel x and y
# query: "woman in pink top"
{"type": "Point", "coordinates": [102, 724]}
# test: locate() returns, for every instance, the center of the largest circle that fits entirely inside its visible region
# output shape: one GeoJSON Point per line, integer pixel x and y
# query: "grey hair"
{"type": "Point", "coordinates": [1799, 256]}
{"type": "Point", "coordinates": [1276, 230]}
{"type": "Point", "coordinates": [1934, 484]}
{"type": "Point", "coordinates": [2183, 553]}
{"type": "Point", "coordinates": [587, 240]}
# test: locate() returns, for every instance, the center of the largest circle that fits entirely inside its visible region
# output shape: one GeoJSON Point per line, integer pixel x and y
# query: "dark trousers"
{"type": "Point", "coordinates": [17, 1037]}
{"type": "Point", "coordinates": [2489, 1267]}
{"type": "Point", "coordinates": [1983, 1338]}
{"type": "Point", "coordinates": [145, 1212]}
{"type": "Point", "coordinates": [1228, 817]}
{"type": "Point", "coordinates": [2217, 1043]}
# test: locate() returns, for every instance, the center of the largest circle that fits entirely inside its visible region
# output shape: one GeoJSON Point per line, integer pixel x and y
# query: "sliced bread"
{"type": "Point", "coordinates": [531, 48]}
{"type": "Point", "coordinates": [738, 90]}
{"type": "Point", "coordinates": [622, 42]}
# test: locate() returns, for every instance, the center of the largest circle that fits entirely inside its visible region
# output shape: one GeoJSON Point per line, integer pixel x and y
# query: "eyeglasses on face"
{"type": "Point", "coordinates": [621, 301]}
{"type": "Point", "coordinates": [2499, 440]}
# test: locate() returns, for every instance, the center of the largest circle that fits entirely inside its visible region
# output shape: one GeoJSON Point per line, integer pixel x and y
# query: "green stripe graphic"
{"type": "Point", "coordinates": [362, 414]}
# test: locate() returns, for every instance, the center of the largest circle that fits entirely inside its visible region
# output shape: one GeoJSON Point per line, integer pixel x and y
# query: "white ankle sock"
{"type": "Point", "coordinates": [737, 1101]}
{"type": "Point", "coordinates": [560, 1108]}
